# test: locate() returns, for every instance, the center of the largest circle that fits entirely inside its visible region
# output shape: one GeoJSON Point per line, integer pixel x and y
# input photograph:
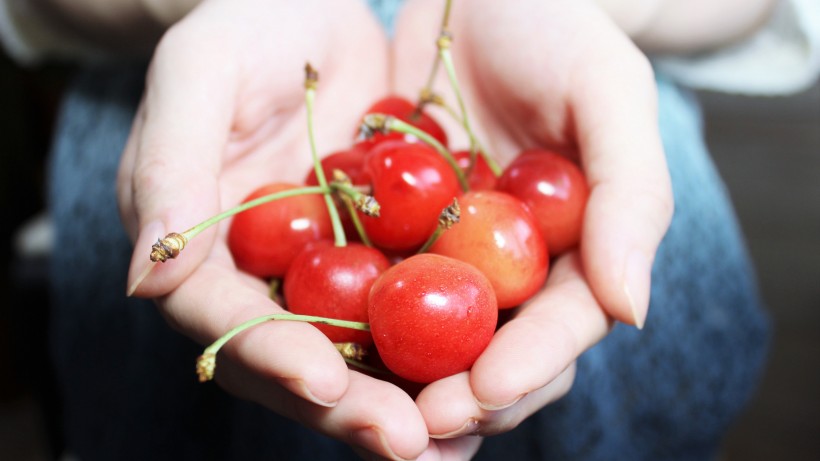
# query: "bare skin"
{"type": "Point", "coordinates": [223, 112]}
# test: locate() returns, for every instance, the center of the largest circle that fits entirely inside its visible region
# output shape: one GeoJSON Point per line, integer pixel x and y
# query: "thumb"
{"type": "Point", "coordinates": [169, 172]}
{"type": "Point", "coordinates": [630, 205]}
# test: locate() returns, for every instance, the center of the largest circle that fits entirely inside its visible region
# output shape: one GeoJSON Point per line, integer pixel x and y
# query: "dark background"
{"type": "Point", "coordinates": [768, 150]}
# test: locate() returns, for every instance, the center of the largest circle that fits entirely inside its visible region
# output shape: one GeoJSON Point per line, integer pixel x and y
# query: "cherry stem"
{"type": "Point", "coordinates": [170, 246]}
{"type": "Point", "coordinates": [449, 216]}
{"type": "Point", "coordinates": [446, 57]}
{"type": "Point", "coordinates": [311, 80]}
{"type": "Point", "coordinates": [206, 363]}
{"type": "Point", "coordinates": [428, 88]}
{"type": "Point", "coordinates": [355, 200]}
{"type": "Point", "coordinates": [387, 123]}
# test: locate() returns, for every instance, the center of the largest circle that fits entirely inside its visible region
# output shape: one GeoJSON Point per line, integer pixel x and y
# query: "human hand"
{"type": "Point", "coordinates": [224, 112]}
{"type": "Point", "coordinates": [558, 75]}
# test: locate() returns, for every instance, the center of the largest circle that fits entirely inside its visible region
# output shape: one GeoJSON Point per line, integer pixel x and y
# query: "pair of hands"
{"type": "Point", "coordinates": [223, 112]}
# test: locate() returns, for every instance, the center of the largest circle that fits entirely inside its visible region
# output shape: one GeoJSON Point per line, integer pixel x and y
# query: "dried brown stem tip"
{"type": "Point", "coordinates": [375, 123]}
{"type": "Point", "coordinates": [205, 366]}
{"type": "Point", "coordinates": [427, 97]}
{"type": "Point", "coordinates": [450, 215]}
{"type": "Point", "coordinates": [352, 351]}
{"type": "Point", "coordinates": [444, 40]}
{"type": "Point", "coordinates": [168, 248]}
{"type": "Point", "coordinates": [311, 77]}
{"type": "Point", "coordinates": [368, 205]}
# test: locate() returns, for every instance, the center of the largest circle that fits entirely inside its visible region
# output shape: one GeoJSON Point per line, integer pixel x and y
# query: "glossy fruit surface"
{"type": "Point", "coordinates": [350, 161]}
{"type": "Point", "coordinates": [412, 184]}
{"type": "Point", "coordinates": [404, 110]}
{"type": "Point", "coordinates": [556, 191]}
{"type": "Point", "coordinates": [498, 235]}
{"type": "Point", "coordinates": [480, 176]}
{"type": "Point", "coordinates": [264, 240]}
{"type": "Point", "coordinates": [431, 317]}
{"type": "Point", "coordinates": [334, 282]}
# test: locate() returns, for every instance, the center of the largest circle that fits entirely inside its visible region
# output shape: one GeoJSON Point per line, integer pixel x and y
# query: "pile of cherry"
{"type": "Point", "coordinates": [429, 268]}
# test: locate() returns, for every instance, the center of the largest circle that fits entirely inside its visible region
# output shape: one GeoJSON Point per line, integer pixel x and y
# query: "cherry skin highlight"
{"type": "Point", "coordinates": [264, 240]}
{"type": "Point", "coordinates": [334, 282]}
{"type": "Point", "coordinates": [480, 177]}
{"type": "Point", "coordinates": [499, 236]}
{"type": "Point", "coordinates": [412, 183]}
{"type": "Point", "coordinates": [350, 161]}
{"type": "Point", "coordinates": [556, 191]}
{"type": "Point", "coordinates": [431, 317]}
{"type": "Point", "coordinates": [406, 111]}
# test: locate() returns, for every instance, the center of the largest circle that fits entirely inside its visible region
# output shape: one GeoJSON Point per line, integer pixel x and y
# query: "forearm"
{"type": "Point", "coordinates": [687, 26]}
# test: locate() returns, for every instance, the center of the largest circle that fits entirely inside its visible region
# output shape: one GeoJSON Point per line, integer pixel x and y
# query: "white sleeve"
{"type": "Point", "coordinates": [783, 57]}
{"type": "Point", "coordinates": [28, 38]}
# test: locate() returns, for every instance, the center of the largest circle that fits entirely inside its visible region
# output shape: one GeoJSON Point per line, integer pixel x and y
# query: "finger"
{"type": "Point", "coordinates": [452, 412]}
{"type": "Point", "coordinates": [393, 429]}
{"type": "Point", "coordinates": [630, 204]}
{"type": "Point", "coordinates": [125, 197]}
{"type": "Point", "coordinates": [454, 449]}
{"type": "Point", "coordinates": [294, 355]}
{"type": "Point", "coordinates": [543, 339]}
{"type": "Point", "coordinates": [182, 133]}
{"type": "Point", "coordinates": [528, 364]}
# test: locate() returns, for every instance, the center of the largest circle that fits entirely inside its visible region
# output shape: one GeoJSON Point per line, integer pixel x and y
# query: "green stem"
{"type": "Point", "coordinates": [449, 216]}
{"type": "Point", "coordinates": [206, 363]}
{"type": "Point", "coordinates": [194, 231]}
{"type": "Point", "coordinates": [357, 223]}
{"type": "Point", "coordinates": [310, 95]}
{"type": "Point", "coordinates": [394, 124]}
{"type": "Point", "coordinates": [217, 345]}
{"type": "Point", "coordinates": [447, 59]}
{"type": "Point", "coordinates": [431, 240]}
{"type": "Point", "coordinates": [428, 88]}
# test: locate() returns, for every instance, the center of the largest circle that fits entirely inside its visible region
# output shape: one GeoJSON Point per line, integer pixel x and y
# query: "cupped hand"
{"type": "Point", "coordinates": [223, 112]}
{"type": "Point", "coordinates": [557, 75]}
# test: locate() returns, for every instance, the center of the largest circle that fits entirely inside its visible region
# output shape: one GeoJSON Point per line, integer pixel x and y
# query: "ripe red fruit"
{"type": "Point", "coordinates": [431, 317]}
{"type": "Point", "coordinates": [350, 161]}
{"type": "Point", "coordinates": [334, 282]}
{"type": "Point", "coordinates": [264, 240]}
{"type": "Point", "coordinates": [498, 235]}
{"type": "Point", "coordinates": [405, 111]}
{"type": "Point", "coordinates": [481, 177]}
{"type": "Point", "coordinates": [412, 184]}
{"type": "Point", "coordinates": [556, 191]}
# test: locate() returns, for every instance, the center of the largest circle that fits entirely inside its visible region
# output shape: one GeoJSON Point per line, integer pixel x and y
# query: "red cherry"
{"type": "Point", "coordinates": [431, 317]}
{"type": "Point", "coordinates": [405, 111]}
{"type": "Point", "coordinates": [350, 161]}
{"type": "Point", "coordinates": [334, 282]}
{"type": "Point", "coordinates": [481, 177]}
{"type": "Point", "coordinates": [264, 240]}
{"type": "Point", "coordinates": [412, 184]}
{"type": "Point", "coordinates": [555, 190]}
{"type": "Point", "coordinates": [498, 235]}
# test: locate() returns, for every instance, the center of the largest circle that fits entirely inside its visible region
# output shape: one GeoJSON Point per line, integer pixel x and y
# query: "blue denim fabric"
{"type": "Point", "coordinates": [668, 392]}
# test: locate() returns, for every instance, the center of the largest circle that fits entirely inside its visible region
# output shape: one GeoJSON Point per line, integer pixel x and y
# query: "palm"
{"type": "Point", "coordinates": [224, 114]}
{"type": "Point", "coordinates": [556, 75]}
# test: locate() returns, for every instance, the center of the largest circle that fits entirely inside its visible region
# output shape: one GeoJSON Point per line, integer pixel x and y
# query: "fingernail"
{"type": "Point", "coordinates": [499, 406]}
{"type": "Point", "coordinates": [138, 281]}
{"type": "Point", "coordinates": [636, 286]}
{"type": "Point", "coordinates": [470, 427]}
{"type": "Point", "coordinates": [310, 396]}
{"type": "Point", "coordinates": [374, 440]}
{"type": "Point", "coordinates": [142, 265]}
